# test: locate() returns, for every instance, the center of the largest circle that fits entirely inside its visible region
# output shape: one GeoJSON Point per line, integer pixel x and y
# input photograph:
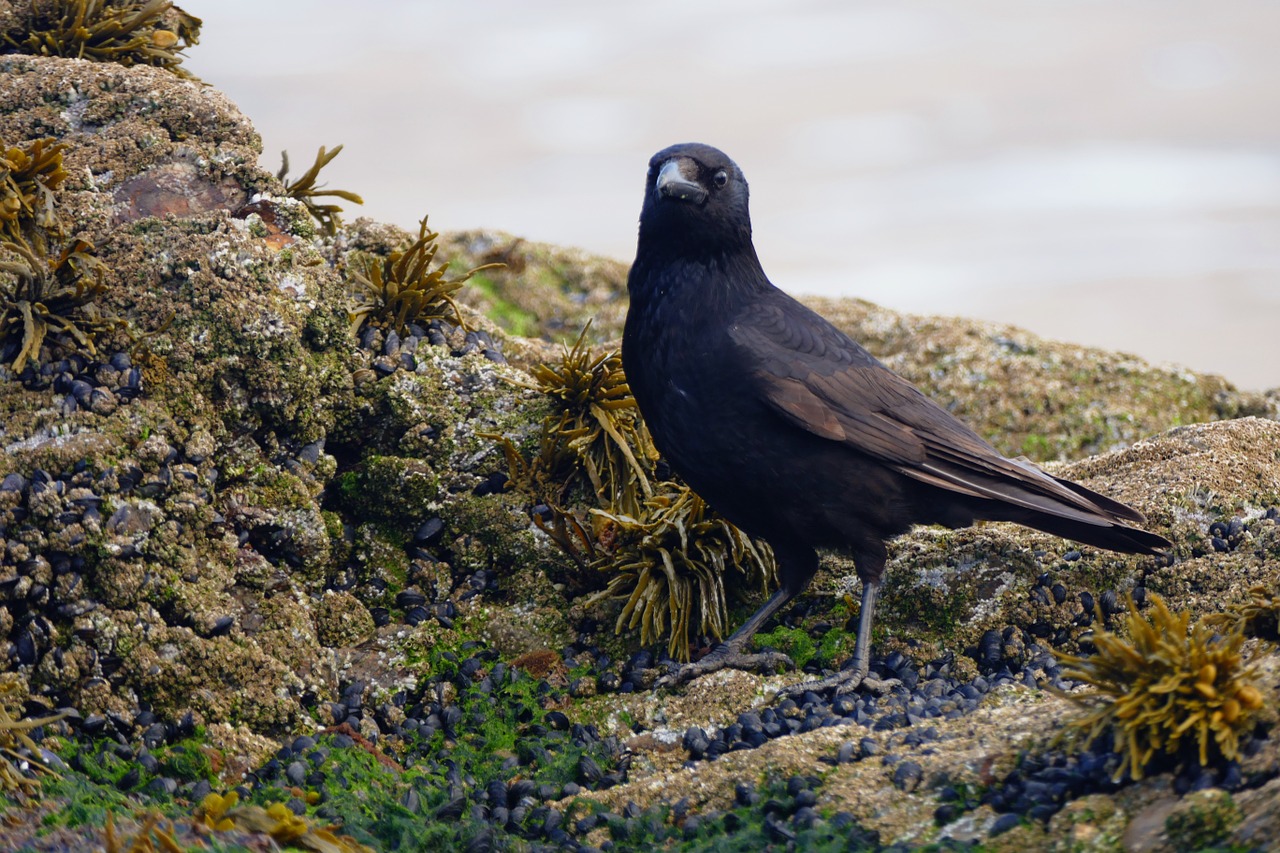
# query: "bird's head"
{"type": "Point", "coordinates": [695, 201]}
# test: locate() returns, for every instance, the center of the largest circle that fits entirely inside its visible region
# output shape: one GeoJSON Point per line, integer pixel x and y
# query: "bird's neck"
{"type": "Point", "coordinates": [708, 279]}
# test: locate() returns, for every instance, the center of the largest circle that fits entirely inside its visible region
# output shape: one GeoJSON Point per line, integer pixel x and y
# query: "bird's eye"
{"type": "Point", "coordinates": [720, 178]}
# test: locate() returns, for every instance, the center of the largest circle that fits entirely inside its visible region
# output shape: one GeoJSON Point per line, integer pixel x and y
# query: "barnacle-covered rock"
{"type": "Point", "coordinates": [960, 584]}
{"type": "Point", "coordinates": [189, 511]}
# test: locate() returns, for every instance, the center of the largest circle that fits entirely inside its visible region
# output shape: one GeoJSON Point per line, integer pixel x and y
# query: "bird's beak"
{"type": "Point", "coordinates": [673, 184]}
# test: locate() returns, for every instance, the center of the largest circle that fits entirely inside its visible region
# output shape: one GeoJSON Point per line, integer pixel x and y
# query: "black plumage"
{"type": "Point", "coordinates": [792, 430]}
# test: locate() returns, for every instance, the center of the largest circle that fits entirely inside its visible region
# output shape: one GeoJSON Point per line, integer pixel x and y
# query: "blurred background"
{"type": "Point", "coordinates": [1099, 171]}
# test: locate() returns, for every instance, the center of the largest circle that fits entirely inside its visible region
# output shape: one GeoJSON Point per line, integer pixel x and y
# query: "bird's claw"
{"type": "Point", "coordinates": [765, 661]}
{"type": "Point", "coordinates": [845, 681]}
{"type": "Point", "coordinates": [879, 686]}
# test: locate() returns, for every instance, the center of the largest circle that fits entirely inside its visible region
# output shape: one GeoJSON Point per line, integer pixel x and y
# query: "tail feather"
{"type": "Point", "coordinates": [1110, 507]}
{"type": "Point", "coordinates": [1116, 537]}
{"type": "Point", "coordinates": [1108, 524]}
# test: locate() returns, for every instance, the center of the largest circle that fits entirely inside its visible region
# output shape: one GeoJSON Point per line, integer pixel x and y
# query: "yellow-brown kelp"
{"type": "Point", "coordinates": [403, 288]}
{"type": "Point", "coordinates": [1169, 686]}
{"type": "Point", "coordinates": [670, 564]}
{"type": "Point", "coordinates": [305, 190]}
{"type": "Point", "coordinates": [154, 32]}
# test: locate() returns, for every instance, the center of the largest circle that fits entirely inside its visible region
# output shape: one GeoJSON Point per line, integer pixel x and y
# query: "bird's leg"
{"type": "Point", "coordinates": [854, 673]}
{"type": "Point", "coordinates": [730, 654]}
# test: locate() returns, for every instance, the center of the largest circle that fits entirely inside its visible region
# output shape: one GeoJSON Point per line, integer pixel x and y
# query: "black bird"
{"type": "Point", "coordinates": [792, 430]}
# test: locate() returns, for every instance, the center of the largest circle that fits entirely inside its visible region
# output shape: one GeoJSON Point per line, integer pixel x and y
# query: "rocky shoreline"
{"type": "Point", "coordinates": [246, 549]}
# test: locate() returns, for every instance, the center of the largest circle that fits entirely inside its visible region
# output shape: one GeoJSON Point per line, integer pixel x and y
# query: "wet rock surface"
{"type": "Point", "coordinates": [255, 550]}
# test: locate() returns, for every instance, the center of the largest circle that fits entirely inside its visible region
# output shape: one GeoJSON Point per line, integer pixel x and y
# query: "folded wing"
{"type": "Point", "coordinates": [822, 381]}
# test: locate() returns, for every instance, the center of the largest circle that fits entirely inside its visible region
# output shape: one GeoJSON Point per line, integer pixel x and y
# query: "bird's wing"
{"type": "Point", "coordinates": [819, 379]}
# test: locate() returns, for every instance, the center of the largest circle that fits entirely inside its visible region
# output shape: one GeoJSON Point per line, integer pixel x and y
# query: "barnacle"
{"type": "Point", "coordinates": [600, 423]}
{"type": "Point", "coordinates": [1257, 617]}
{"type": "Point", "coordinates": [673, 564]}
{"type": "Point", "coordinates": [403, 288]}
{"type": "Point", "coordinates": [14, 737]}
{"type": "Point", "coordinates": [304, 189]}
{"type": "Point", "coordinates": [43, 297]}
{"type": "Point", "coordinates": [29, 173]}
{"type": "Point", "coordinates": [1170, 687]}
{"type": "Point", "coordinates": [154, 32]}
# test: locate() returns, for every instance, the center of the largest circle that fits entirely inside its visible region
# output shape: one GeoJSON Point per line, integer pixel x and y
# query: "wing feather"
{"type": "Point", "coordinates": [822, 381]}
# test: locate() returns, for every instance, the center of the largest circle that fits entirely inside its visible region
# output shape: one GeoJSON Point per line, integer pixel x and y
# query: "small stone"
{"type": "Point", "coordinates": [907, 775]}
{"type": "Point", "coordinates": [1004, 823]}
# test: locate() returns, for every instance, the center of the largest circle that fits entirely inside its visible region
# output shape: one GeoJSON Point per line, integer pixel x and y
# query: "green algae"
{"type": "Point", "coordinates": [391, 488]}
{"type": "Point", "coordinates": [793, 642]}
{"type": "Point", "coordinates": [510, 316]}
{"type": "Point", "coordinates": [1204, 820]}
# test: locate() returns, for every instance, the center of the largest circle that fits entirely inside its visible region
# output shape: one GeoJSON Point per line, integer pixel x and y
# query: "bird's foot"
{"type": "Point", "coordinates": [725, 657]}
{"type": "Point", "coordinates": [844, 681]}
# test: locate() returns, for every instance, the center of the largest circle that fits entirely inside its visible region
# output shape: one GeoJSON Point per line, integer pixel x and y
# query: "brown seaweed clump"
{"type": "Point", "coordinates": [154, 32]}
{"type": "Point", "coordinates": [43, 298]}
{"type": "Point", "coordinates": [657, 547]}
{"type": "Point", "coordinates": [600, 423]}
{"type": "Point", "coordinates": [305, 190]}
{"type": "Point", "coordinates": [220, 813]}
{"type": "Point", "coordinates": [29, 175]}
{"type": "Point", "coordinates": [17, 750]}
{"type": "Point", "coordinates": [1171, 687]}
{"type": "Point", "coordinates": [403, 288]}
{"type": "Point", "coordinates": [672, 564]}
{"type": "Point", "coordinates": [1258, 617]}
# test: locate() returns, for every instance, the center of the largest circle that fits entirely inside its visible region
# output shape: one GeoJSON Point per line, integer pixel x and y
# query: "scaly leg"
{"type": "Point", "coordinates": [854, 673]}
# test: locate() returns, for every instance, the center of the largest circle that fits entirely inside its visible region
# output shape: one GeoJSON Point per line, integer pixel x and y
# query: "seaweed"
{"type": "Point", "coordinates": [673, 563]}
{"type": "Point", "coordinates": [29, 174]}
{"type": "Point", "coordinates": [599, 422]}
{"type": "Point", "coordinates": [154, 32]}
{"type": "Point", "coordinates": [304, 189]}
{"type": "Point", "coordinates": [220, 813]}
{"type": "Point", "coordinates": [403, 288]}
{"type": "Point", "coordinates": [50, 297]}
{"type": "Point", "coordinates": [44, 295]}
{"type": "Point", "coordinates": [671, 559]}
{"type": "Point", "coordinates": [18, 752]}
{"type": "Point", "coordinates": [546, 475]}
{"type": "Point", "coordinates": [1171, 688]}
{"type": "Point", "coordinates": [1258, 617]}
{"type": "Point", "coordinates": [154, 834]}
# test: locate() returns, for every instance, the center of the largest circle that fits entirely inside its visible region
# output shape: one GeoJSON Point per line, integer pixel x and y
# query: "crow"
{"type": "Point", "coordinates": [794, 432]}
